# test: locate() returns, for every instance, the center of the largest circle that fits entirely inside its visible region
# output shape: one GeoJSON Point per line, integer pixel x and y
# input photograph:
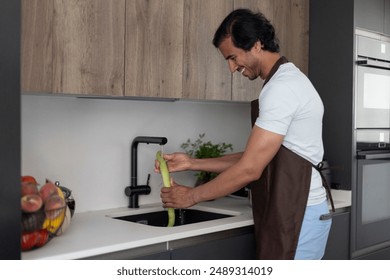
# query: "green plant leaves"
{"type": "Point", "coordinates": [202, 149]}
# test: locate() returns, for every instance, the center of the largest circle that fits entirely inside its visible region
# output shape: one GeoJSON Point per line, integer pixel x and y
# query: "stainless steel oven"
{"type": "Point", "coordinates": [371, 203]}
{"type": "Point", "coordinates": [372, 83]}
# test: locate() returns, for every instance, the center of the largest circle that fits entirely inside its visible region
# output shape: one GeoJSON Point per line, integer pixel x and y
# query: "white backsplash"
{"type": "Point", "coordinates": [85, 143]}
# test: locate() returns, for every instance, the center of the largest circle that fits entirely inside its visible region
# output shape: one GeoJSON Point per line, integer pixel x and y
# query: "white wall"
{"type": "Point", "coordinates": [85, 143]}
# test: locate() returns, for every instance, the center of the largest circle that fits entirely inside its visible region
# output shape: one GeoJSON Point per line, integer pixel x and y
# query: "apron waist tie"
{"type": "Point", "coordinates": [319, 167]}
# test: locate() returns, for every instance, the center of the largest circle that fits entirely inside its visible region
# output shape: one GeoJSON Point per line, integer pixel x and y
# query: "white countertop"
{"type": "Point", "coordinates": [95, 233]}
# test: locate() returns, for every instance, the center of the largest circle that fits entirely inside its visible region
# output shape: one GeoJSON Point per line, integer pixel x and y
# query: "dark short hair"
{"type": "Point", "coordinates": [246, 28]}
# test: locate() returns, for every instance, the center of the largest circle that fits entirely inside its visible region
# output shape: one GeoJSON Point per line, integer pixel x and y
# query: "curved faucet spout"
{"type": "Point", "coordinates": [134, 161]}
{"type": "Point", "coordinates": [134, 153]}
{"type": "Point", "coordinates": [149, 140]}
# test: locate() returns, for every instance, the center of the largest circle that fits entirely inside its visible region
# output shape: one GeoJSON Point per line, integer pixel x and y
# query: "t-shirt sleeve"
{"type": "Point", "coordinates": [277, 106]}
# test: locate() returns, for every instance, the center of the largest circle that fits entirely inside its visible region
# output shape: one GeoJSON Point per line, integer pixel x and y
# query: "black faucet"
{"type": "Point", "coordinates": [133, 191]}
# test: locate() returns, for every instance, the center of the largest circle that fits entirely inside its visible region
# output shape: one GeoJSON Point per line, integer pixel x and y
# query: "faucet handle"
{"type": "Point", "coordinates": [133, 192]}
{"type": "Point", "coordinates": [148, 179]}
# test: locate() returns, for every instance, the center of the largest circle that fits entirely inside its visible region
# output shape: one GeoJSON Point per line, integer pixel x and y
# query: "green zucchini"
{"type": "Point", "coordinates": [167, 184]}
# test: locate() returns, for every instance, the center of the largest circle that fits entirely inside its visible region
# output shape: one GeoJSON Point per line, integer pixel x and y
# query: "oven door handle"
{"type": "Point", "coordinates": [373, 63]}
{"type": "Point", "coordinates": [374, 156]}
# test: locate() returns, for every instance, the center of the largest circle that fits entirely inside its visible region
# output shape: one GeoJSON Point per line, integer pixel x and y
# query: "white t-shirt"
{"type": "Point", "coordinates": [289, 105]}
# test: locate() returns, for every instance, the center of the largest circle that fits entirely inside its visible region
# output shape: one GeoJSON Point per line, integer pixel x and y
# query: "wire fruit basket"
{"type": "Point", "coordinates": [40, 227]}
{"type": "Point", "coordinates": [46, 215]}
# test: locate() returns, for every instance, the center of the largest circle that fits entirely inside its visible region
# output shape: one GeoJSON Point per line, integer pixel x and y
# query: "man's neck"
{"type": "Point", "coordinates": [269, 62]}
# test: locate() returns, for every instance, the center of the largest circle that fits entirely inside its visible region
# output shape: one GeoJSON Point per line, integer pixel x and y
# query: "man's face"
{"type": "Point", "coordinates": [245, 62]}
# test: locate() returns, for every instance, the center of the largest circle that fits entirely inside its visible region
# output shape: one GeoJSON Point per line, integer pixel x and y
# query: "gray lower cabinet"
{"type": "Point", "coordinates": [166, 255]}
{"type": "Point", "coordinates": [151, 252]}
{"type": "Point", "coordinates": [338, 247]}
{"type": "Point", "coordinates": [234, 244]}
{"type": "Point", "coordinates": [229, 245]}
{"type": "Point", "coordinates": [383, 254]}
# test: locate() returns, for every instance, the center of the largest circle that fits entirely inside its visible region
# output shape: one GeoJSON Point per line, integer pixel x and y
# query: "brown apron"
{"type": "Point", "coordinates": [279, 198]}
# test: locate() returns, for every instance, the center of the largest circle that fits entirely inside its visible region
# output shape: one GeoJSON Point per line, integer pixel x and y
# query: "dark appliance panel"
{"type": "Point", "coordinates": [372, 139]}
{"type": "Point", "coordinates": [373, 194]}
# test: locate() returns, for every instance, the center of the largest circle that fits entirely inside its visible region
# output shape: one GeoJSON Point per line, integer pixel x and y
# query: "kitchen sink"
{"type": "Point", "coordinates": [182, 217]}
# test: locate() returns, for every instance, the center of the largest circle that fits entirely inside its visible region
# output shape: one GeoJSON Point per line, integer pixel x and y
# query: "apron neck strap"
{"type": "Point", "coordinates": [275, 68]}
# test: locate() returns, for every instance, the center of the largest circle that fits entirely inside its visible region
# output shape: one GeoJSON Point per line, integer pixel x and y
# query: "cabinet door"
{"type": "Point", "coordinates": [370, 15]}
{"type": "Point", "coordinates": [338, 247]}
{"type": "Point", "coordinates": [290, 19]}
{"type": "Point", "coordinates": [10, 127]}
{"type": "Point", "coordinates": [88, 47]}
{"type": "Point", "coordinates": [387, 17]}
{"type": "Point", "coordinates": [154, 48]}
{"type": "Point", "coordinates": [243, 88]}
{"type": "Point", "coordinates": [150, 252]}
{"type": "Point", "coordinates": [206, 74]}
{"type": "Point", "coordinates": [240, 247]}
{"type": "Point", "coordinates": [383, 254]}
{"type": "Point", "coordinates": [36, 45]}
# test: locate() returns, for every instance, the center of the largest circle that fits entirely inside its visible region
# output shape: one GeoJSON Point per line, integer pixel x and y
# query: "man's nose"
{"type": "Point", "coordinates": [232, 66]}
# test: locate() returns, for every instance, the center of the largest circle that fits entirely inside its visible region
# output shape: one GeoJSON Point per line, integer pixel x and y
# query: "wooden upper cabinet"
{"type": "Point", "coordinates": [291, 21]}
{"type": "Point", "coordinates": [243, 88]}
{"type": "Point", "coordinates": [36, 46]}
{"type": "Point", "coordinates": [206, 73]}
{"type": "Point", "coordinates": [154, 48]}
{"type": "Point", "coordinates": [146, 48]}
{"type": "Point", "coordinates": [71, 46]}
{"type": "Point", "coordinates": [88, 47]}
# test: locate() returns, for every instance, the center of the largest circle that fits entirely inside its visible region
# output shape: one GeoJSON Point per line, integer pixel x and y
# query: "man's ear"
{"type": "Point", "coordinates": [258, 46]}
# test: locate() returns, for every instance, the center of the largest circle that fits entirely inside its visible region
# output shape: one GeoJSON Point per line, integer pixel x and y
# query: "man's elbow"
{"type": "Point", "coordinates": [253, 174]}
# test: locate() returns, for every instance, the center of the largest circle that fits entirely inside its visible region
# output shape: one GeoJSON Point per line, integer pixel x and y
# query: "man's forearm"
{"type": "Point", "coordinates": [217, 165]}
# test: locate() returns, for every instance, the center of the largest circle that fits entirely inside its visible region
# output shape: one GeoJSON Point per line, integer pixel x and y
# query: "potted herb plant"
{"type": "Point", "coordinates": [201, 148]}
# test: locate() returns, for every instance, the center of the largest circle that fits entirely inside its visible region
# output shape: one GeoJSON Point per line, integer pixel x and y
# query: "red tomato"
{"type": "Point", "coordinates": [29, 179]}
{"type": "Point", "coordinates": [28, 240]}
{"type": "Point", "coordinates": [42, 237]}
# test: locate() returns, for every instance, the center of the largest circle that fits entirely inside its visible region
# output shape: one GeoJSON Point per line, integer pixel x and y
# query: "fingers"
{"type": "Point", "coordinates": [156, 166]}
{"type": "Point", "coordinates": [167, 157]}
{"type": "Point", "coordinates": [164, 190]}
{"type": "Point", "coordinates": [177, 196]}
{"type": "Point", "coordinates": [176, 162]}
{"type": "Point", "coordinates": [165, 199]}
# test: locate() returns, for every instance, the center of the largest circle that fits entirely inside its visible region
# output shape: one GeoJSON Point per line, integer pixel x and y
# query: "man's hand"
{"type": "Point", "coordinates": [176, 162]}
{"type": "Point", "coordinates": [177, 196]}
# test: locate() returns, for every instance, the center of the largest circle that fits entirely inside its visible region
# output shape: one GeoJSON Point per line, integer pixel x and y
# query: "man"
{"type": "Point", "coordinates": [290, 208]}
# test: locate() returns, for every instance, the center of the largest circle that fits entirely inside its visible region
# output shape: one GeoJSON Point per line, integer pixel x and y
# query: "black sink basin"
{"type": "Point", "coordinates": [182, 217]}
